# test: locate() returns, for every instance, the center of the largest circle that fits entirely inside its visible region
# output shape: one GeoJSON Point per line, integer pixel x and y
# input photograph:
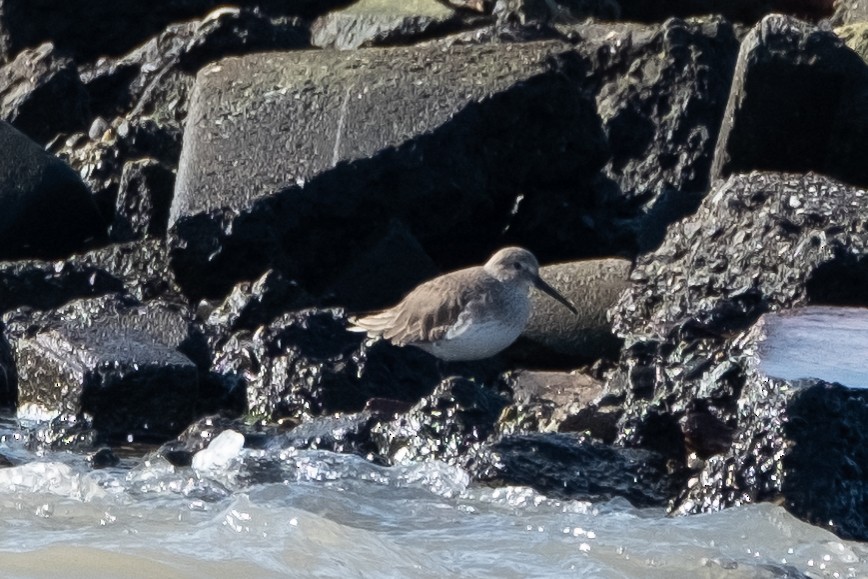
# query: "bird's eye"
{"type": "Point", "coordinates": [516, 265]}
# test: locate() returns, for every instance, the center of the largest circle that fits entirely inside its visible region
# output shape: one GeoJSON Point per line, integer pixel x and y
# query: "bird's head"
{"type": "Point", "coordinates": [515, 264]}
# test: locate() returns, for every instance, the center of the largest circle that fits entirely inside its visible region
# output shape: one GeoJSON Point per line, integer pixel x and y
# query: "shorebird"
{"type": "Point", "coordinates": [469, 314]}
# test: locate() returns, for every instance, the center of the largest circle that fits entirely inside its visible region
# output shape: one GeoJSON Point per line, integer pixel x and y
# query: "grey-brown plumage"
{"type": "Point", "coordinates": [469, 314]}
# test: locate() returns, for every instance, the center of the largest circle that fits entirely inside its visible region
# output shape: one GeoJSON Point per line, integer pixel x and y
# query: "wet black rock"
{"type": "Point", "coordinates": [144, 196]}
{"type": "Point", "coordinates": [722, 266]}
{"type": "Point", "coordinates": [109, 363]}
{"type": "Point", "coordinates": [122, 381]}
{"type": "Point", "coordinates": [306, 363]}
{"type": "Point", "coordinates": [101, 162]}
{"type": "Point", "coordinates": [42, 95]}
{"type": "Point", "coordinates": [704, 433]}
{"type": "Point", "coordinates": [798, 103]}
{"type": "Point", "coordinates": [661, 91]}
{"type": "Point", "coordinates": [141, 266]}
{"type": "Point", "coordinates": [138, 269]}
{"type": "Point", "coordinates": [349, 433]}
{"type": "Point", "coordinates": [103, 458]}
{"type": "Point", "coordinates": [662, 94]}
{"type": "Point", "coordinates": [155, 78]}
{"type": "Point", "coordinates": [560, 402]}
{"type": "Point", "coordinates": [572, 467]}
{"type": "Point", "coordinates": [801, 443]}
{"type": "Point", "coordinates": [451, 425]}
{"type": "Point", "coordinates": [824, 478]}
{"type": "Point", "coordinates": [253, 304]}
{"type": "Point", "coordinates": [45, 209]}
{"type": "Point", "coordinates": [687, 322]}
{"type": "Point", "coordinates": [44, 285]}
{"type": "Point", "coordinates": [147, 90]}
{"type": "Point", "coordinates": [64, 433]}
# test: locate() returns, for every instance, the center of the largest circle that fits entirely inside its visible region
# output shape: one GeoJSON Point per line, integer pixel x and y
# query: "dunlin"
{"type": "Point", "coordinates": [469, 314]}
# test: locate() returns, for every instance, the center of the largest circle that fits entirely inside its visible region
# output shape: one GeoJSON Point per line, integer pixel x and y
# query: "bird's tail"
{"type": "Point", "coordinates": [374, 324]}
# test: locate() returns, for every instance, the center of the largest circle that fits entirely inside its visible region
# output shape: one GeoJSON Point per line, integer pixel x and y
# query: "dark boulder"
{"type": "Point", "coordinates": [572, 467]}
{"type": "Point", "coordinates": [144, 196]}
{"type": "Point", "coordinates": [156, 77]}
{"type": "Point", "coordinates": [141, 266]}
{"type": "Point", "coordinates": [661, 91]}
{"type": "Point", "coordinates": [101, 161]}
{"type": "Point", "coordinates": [825, 481]}
{"type": "Point", "coordinates": [103, 458]}
{"type": "Point", "coordinates": [42, 95]}
{"type": "Point", "coordinates": [799, 103]}
{"type": "Point", "coordinates": [147, 91]}
{"type": "Point", "coordinates": [45, 285]}
{"type": "Point", "coordinates": [253, 304]}
{"type": "Point", "coordinates": [723, 267]}
{"type": "Point", "coordinates": [45, 209]}
{"type": "Point", "coordinates": [799, 441]}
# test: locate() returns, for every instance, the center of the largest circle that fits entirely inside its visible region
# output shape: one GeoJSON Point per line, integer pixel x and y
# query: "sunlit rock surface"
{"type": "Point", "coordinates": [401, 150]}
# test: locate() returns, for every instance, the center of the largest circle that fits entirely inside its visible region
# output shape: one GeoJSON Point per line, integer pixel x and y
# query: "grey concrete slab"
{"type": "Point", "coordinates": [262, 122]}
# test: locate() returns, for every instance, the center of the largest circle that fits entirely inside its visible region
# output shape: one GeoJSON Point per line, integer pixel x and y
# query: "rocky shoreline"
{"type": "Point", "coordinates": [193, 200]}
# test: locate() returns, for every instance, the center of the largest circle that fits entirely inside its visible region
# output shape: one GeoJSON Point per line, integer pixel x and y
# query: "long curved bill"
{"type": "Point", "coordinates": [543, 286]}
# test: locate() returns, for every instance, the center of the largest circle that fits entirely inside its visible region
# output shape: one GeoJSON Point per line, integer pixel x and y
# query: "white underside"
{"type": "Point", "coordinates": [475, 342]}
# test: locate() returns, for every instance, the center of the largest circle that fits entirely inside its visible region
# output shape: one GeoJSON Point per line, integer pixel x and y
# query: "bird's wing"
{"type": "Point", "coordinates": [430, 310]}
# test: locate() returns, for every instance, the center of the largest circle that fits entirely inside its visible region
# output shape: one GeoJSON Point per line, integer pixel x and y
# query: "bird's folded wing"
{"type": "Point", "coordinates": [425, 314]}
